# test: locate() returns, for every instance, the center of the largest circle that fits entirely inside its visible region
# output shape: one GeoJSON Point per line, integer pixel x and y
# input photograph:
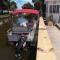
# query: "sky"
{"type": "Point", "coordinates": [22, 2]}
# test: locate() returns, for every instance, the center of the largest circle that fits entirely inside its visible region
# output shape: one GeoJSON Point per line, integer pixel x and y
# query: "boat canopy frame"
{"type": "Point", "coordinates": [18, 11]}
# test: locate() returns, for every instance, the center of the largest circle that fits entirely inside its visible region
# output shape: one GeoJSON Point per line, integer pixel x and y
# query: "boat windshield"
{"type": "Point", "coordinates": [24, 18]}
{"type": "Point", "coordinates": [22, 21]}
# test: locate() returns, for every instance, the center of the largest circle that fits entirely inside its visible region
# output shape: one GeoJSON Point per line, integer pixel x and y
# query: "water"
{"type": "Point", "coordinates": [8, 52]}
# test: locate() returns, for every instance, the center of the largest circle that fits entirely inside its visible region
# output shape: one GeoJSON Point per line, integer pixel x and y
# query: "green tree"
{"type": "Point", "coordinates": [13, 5]}
{"type": "Point", "coordinates": [39, 5]}
{"type": "Point", "coordinates": [4, 4]}
{"type": "Point", "coordinates": [27, 6]}
{"type": "Point", "coordinates": [41, 1]}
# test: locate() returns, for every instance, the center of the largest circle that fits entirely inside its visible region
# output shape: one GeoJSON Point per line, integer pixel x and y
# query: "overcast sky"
{"type": "Point", "coordinates": [22, 2]}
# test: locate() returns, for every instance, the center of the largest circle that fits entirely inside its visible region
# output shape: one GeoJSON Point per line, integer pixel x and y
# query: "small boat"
{"type": "Point", "coordinates": [23, 29]}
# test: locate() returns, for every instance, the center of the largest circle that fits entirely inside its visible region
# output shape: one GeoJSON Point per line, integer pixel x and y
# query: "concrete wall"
{"type": "Point", "coordinates": [45, 49]}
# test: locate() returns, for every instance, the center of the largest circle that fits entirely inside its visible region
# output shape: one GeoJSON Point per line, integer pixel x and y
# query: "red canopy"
{"type": "Point", "coordinates": [17, 11]}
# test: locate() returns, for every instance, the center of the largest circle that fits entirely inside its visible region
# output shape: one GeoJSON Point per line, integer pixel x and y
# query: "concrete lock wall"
{"type": "Point", "coordinates": [45, 49]}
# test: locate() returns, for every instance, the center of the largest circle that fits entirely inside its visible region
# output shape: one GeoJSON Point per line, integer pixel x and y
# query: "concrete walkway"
{"type": "Point", "coordinates": [44, 46]}
{"type": "Point", "coordinates": [54, 34]}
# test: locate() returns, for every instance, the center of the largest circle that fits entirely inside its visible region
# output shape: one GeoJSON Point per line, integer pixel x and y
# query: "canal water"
{"type": "Point", "coordinates": [8, 52]}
